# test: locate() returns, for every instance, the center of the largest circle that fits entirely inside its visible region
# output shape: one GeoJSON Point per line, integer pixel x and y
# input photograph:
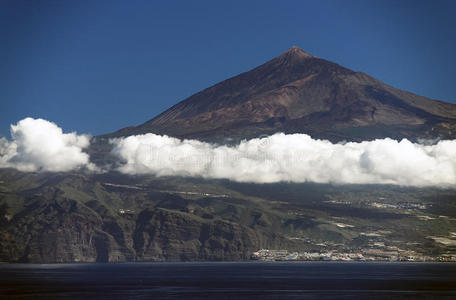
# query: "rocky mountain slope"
{"type": "Point", "coordinates": [76, 217]}
{"type": "Point", "coordinates": [49, 218]}
{"type": "Point", "coordinates": [299, 93]}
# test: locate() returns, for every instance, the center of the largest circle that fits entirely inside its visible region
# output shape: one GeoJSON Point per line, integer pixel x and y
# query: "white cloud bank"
{"type": "Point", "coordinates": [295, 158]}
{"type": "Point", "coordinates": [40, 145]}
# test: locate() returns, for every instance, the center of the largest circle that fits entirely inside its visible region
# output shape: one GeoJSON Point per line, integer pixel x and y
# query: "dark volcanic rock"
{"type": "Point", "coordinates": [53, 226]}
{"type": "Point", "coordinates": [168, 235]}
{"type": "Point", "coordinates": [299, 93]}
{"type": "Point", "coordinates": [60, 230]}
{"type": "Point", "coordinates": [67, 231]}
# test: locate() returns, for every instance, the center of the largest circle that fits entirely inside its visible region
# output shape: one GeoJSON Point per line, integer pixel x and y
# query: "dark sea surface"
{"type": "Point", "coordinates": [248, 280]}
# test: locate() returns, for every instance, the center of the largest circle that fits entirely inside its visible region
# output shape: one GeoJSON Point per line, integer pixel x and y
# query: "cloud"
{"type": "Point", "coordinates": [294, 158]}
{"type": "Point", "coordinates": [40, 145]}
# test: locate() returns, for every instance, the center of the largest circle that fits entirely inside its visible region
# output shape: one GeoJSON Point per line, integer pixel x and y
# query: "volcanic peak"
{"type": "Point", "coordinates": [296, 52]}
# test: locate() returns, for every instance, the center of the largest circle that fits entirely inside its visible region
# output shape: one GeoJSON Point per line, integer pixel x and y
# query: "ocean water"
{"type": "Point", "coordinates": [229, 280]}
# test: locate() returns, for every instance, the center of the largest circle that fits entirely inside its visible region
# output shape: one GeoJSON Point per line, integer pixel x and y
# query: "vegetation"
{"type": "Point", "coordinates": [70, 217]}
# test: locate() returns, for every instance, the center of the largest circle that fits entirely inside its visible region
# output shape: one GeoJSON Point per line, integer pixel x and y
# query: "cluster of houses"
{"type": "Point", "coordinates": [285, 255]}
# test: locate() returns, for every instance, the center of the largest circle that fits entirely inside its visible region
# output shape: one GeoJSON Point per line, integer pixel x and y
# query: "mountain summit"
{"type": "Point", "coordinates": [297, 92]}
{"type": "Point", "coordinates": [297, 53]}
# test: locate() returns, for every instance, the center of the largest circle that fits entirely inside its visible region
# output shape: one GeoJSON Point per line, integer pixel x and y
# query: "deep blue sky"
{"type": "Point", "coordinates": [97, 66]}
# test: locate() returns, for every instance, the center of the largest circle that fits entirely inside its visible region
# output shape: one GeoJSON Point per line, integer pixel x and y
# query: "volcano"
{"type": "Point", "coordinates": [297, 92]}
{"type": "Point", "coordinates": [195, 203]}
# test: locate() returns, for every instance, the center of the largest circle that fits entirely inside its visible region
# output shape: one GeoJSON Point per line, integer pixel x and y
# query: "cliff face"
{"type": "Point", "coordinates": [166, 235]}
{"type": "Point", "coordinates": [67, 231]}
{"type": "Point", "coordinates": [51, 227]}
{"type": "Point", "coordinates": [62, 230]}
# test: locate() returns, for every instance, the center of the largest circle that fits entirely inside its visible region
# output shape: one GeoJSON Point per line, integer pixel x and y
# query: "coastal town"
{"type": "Point", "coordinates": [363, 255]}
